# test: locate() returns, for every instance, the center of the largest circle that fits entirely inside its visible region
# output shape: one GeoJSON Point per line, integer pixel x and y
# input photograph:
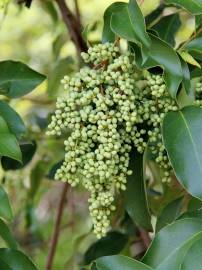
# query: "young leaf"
{"type": "Point", "coordinates": [12, 119]}
{"type": "Point", "coordinates": [170, 245]}
{"type": "Point", "coordinates": [5, 208]}
{"type": "Point", "coordinates": [193, 6]}
{"type": "Point", "coordinates": [6, 235]}
{"type": "Point", "coordinates": [161, 54]}
{"type": "Point", "coordinates": [8, 143]}
{"type": "Point", "coordinates": [28, 150]}
{"type": "Point", "coordinates": [189, 59]}
{"type": "Point", "coordinates": [17, 79]}
{"type": "Point", "coordinates": [169, 214]}
{"type": "Point", "coordinates": [182, 139]}
{"type": "Point", "coordinates": [167, 27]}
{"type": "Point", "coordinates": [107, 34]}
{"type": "Point", "coordinates": [111, 244]}
{"type": "Point", "coordinates": [117, 262]}
{"type": "Point", "coordinates": [135, 198]}
{"type": "Point", "coordinates": [16, 260]}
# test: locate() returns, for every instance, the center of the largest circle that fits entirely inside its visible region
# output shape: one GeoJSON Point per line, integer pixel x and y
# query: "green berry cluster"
{"type": "Point", "coordinates": [198, 93]}
{"type": "Point", "coordinates": [108, 108]}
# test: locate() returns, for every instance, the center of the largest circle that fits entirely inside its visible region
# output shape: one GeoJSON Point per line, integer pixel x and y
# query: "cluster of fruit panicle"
{"type": "Point", "coordinates": [198, 93]}
{"type": "Point", "coordinates": [109, 109]}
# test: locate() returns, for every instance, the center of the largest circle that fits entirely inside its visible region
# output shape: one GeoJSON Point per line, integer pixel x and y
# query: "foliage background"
{"type": "Point", "coordinates": [38, 37]}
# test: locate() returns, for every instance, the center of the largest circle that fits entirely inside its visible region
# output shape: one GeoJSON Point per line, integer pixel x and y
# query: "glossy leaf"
{"type": "Point", "coordinates": [161, 54]}
{"type": "Point", "coordinates": [16, 260]}
{"type": "Point", "coordinates": [171, 244]}
{"type": "Point", "coordinates": [124, 24]}
{"type": "Point", "coordinates": [28, 150]}
{"type": "Point", "coordinates": [5, 208]}
{"type": "Point", "coordinates": [138, 23]}
{"type": "Point", "coordinates": [111, 244]}
{"type": "Point", "coordinates": [194, 47]}
{"type": "Point", "coordinates": [17, 79]}
{"type": "Point", "coordinates": [169, 214]}
{"type": "Point", "coordinates": [183, 142]}
{"type": "Point", "coordinates": [186, 77]}
{"type": "Point", "coordinates": [193, 257]}
{"type": "Point", "coordinates": [120, 262]}
{"type": "Point", "coordinates": [107, 34]}
{"type": "Point", "coordinates": [12, 118]}
{"type": "Point", "coordinates": [9, 146]}
{"type": "Point", "coordinates": [135, 198]}
{"type": "Point", "coordinates": [6, 235]}
{"type": "Point", "coordinates": [193, 6]}
{"type": "Point", "coordinates": [167, 27]}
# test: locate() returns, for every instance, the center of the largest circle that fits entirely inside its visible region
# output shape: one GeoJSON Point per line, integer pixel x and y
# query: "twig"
{"type": "Point", "coordinates": [73, 27]}
{"type": "Point", "coordinates": [56, 231]}
{"type": "Point", "coordinates": [78, 15]}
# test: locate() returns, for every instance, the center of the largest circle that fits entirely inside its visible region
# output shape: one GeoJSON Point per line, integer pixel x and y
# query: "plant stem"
{"type": "Point", "coordinates": [73, 26]}
{"type": "Point", "coordinates": [56, 231]}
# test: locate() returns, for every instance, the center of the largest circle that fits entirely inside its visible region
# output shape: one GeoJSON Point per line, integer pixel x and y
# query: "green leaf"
{"type": "Point", "coordinates": [28, 150]}
{"type": "Point", "coordinates": [186, 77]}
{"type": "Point", "coordinates": [167, 27]}
{"type": "Point", "coordinates": [119, 262]}
{"type": "Point", "coordinates": [189, 59]}
{"type": "Point", "coordinates": [194, 47]}
{"type": "Point", "coordinates": [135, 198]}
{"type": "Point", "coordinates": [193, 6]}
{"type": "Point", "coordinates": [36, 177]}
{"type": "Point", "coordinates": [182, 139]}
{"type": "Point", "coordinates": [12, 118]}
{"type": "Point", "coordinates": [111, 244]}
{"type": "Point", "coordinates": [169, 213]}
{"type": "Point", "coordinates": [193, 257]}
{"type": "Point", "coordinates": [107, 34]}
{"type": "Point", "coordinates": [129, 23]}
{"type": "Point", "coordinates": [5, 208]}
{"type": "Point", "coordinates": [8, 143]}
{"type": "Point", "coordinates": [138, 23]}
{"type": "Point", "coordinates": [194, 204]}
{"type": "Point", "coordinates": [17, 79]}
{"type": "Point", "coordinates": [192, 214]}
{"type": "Point", "coordinates": [6, 235]}
{"type": "Point", "coordinates": [16, 260]}
{"type": "Point", "coordinates": [161, 54]}
{"type": "Point", "coordinates": [4, 266]}
{"type": "Point", "coordinates": [171, 244]}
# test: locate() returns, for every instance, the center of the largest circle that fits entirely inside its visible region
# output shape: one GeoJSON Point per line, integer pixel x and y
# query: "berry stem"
{"type": "Point", "coordinates": [56, 231]}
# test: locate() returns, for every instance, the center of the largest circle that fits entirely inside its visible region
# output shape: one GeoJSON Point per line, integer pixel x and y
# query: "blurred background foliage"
{"type": "Point", "coordinates": [38, 37]}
